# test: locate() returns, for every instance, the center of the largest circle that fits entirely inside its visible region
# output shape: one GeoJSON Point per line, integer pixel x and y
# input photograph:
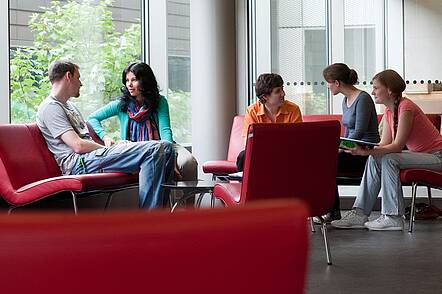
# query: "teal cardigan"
{"type": "Point", "coordinates": [114, 109]}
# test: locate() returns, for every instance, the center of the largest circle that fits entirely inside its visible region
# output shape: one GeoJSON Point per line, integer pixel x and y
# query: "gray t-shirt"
{"type": "Point", "coordinates": [55, 118]}
{"type": "Point", "coordinates": [360, 119]}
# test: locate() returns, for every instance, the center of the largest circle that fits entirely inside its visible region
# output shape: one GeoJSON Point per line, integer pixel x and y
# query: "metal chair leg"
{"type": "Point", "coordinates": [199, 200]}
{"type": "Point", "coordinates": [212, 201]}
{"type": "Point", "coordinates": [108, 200]}
{"type": "Point", "coordinates": [312, 225]}
{"type": "Point", "coordinates": [413, 207]}
{"type": "Point", "coordinates": [429, 195]}
{"type": "Point", "coordinates": [175, 205]}
{"type": "Point", "coordinates": [11, 208]}
{"type": "Point", "coordinates": [327, 249]}
{"type": "Point", "coordinates": [74, 203]}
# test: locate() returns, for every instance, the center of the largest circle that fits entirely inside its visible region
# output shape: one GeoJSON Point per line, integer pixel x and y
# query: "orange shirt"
{"type": "Point", "coordinates": [289, 112]}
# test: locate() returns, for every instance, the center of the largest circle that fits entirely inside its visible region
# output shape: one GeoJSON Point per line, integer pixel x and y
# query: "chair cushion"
{"type": "Point", "coordinates": [232, 251]}
{"type": "Point", "coordinates": [76, 183]}
{"type": "Point", "coordinates": [423, 176]}
{"type": "Point", "coordinates": [219, 167]}
{"type": "Point", "coordinates": [229, 193]}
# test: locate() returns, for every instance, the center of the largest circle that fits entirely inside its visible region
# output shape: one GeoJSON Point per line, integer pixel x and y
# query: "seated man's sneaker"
{"type": "Point", "coordinates": [386, 223]}
{"type": "Point", "coordinates": [351, 220]}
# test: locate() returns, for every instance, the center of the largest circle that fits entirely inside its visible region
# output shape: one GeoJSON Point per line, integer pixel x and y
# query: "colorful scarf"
{"type": "Point", "coordinates": [142, 124]}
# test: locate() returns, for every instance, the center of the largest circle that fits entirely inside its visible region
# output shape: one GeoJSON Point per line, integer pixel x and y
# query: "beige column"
{"type": "Point", "coordinates": [213, 67]}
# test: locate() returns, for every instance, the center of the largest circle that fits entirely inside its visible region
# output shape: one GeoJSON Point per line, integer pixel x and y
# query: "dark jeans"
{"type": "Point", "coordinates": [348, 163]}
{"type": "Point", "coordinates": [240, 161]}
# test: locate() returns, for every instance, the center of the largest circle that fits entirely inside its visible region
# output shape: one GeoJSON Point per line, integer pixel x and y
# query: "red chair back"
{"type": "Point", "coordinates": [257, 249]}
{"type": "Point", "coordinates": [236, 143]}
{"type": "Point", "coordinates": [323, 117]}
{"type": "Point", "coordinates": [24, 157]}
{"type": "Point", "coordinates": [435, 120]}
{"type": "Point", "coordinates": [292, 161]}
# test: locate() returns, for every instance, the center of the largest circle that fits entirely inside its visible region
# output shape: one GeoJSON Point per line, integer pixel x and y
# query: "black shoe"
{"type": "Point", "coordinates": [329, 217]}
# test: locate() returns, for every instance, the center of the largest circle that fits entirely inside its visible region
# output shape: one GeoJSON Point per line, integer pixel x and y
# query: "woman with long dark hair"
{"type": "Point", "coordinates": [404, 125]}
{"type": "Point", "coordinates": [358, 117]}
{"type": "Point", "coordinates": [143, 115]}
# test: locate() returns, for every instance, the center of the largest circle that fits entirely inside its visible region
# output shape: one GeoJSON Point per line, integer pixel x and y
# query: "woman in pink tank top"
{"type": "Point", "coordinates": [405, 125]}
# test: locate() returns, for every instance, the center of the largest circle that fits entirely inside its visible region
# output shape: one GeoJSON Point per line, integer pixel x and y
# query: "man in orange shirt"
{"type": "Point", "coordinates": [271, 107]}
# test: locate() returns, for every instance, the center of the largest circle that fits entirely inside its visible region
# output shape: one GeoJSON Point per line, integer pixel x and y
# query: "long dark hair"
{"type": "Point", "coordinates": [396, 84]}
{"type": "Point", "coordinates": [149, 86]}
{"type": "Point", "coordinates": [340, 72]}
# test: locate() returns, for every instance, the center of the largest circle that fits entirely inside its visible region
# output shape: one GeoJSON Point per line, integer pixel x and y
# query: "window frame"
{"type": "Point", "coordinates": [388, 54]}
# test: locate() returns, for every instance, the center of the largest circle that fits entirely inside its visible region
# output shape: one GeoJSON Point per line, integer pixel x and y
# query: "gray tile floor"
{"type": "Point", "coordinates": [378, 262]}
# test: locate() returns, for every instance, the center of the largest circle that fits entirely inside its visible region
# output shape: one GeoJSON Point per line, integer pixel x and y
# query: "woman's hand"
{"type": "Point", "coordinates": [359, 150]}
{"type": "Point", "coordinates": [108, 141]}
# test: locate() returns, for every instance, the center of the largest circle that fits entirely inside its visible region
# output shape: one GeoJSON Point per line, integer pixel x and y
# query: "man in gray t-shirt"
{"type": "Point", "coordinates": [51, 119]}
{"type": "Point", "coordinates": [67, 137]}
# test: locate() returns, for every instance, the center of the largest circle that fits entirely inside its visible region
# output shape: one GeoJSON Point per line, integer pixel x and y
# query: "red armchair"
{"type": "Point", "coordinates": [236, 145]}
{"type": "Point", "coordinates": [236, 250]}
{"type": "Point", "coordinates": [416, 176]}
{"type": "Point", "coordinates": [288, 161]}
{"type": "Point", "coordinates": [29, 171]}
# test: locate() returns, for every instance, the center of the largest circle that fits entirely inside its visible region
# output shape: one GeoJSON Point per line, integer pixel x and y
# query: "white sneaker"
{"type": "Point", "coordinates": [386, 223]}
{"type": "Point", "coordinates": [351, 220]}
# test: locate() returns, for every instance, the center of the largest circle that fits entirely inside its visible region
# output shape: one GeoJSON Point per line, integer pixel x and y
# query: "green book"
{"type": "Point", "coordinates": [347, 143]}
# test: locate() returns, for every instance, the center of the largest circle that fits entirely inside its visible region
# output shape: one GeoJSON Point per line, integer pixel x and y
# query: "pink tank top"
{"type": "Point", "coordinates": [424, 137]}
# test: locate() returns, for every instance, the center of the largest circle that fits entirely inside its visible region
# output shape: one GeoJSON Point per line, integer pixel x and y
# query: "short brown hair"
{"type": "Point", "coordinates": [59, 68]}
{"type": "Point", "coordinates": [266, 83]}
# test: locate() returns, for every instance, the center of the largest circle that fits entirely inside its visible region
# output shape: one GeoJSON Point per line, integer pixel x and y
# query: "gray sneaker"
{"type": "Point", "coordinates": [386, 223]}
{"type": "Point", "coordinates": [351, 220]}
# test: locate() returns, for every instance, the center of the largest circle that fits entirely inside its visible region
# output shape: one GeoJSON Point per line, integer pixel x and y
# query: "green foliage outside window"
{"type": "Point", "coordinates": [180, 115]}
{"type": "Point", "coordinates": [84, 33]}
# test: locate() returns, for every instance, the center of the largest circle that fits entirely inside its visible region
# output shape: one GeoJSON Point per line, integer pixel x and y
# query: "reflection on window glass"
{"type": "Point", "coordinates": [101, 36]}
{"type": "Point", "coordinates": [363, 38]}
{"type": "Point", "coordinates": [178, 56]}
{"type": "Point", "coordinates": [299, 51]}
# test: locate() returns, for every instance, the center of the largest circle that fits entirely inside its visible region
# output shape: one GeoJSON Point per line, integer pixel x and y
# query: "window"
{"type": "Point", "coordinates": [101, 36]}
{"type": "Point", "coordinates": [299, 51]}
{"type": "Point", "coordinates": [178, 62]}
{"type": "Point", "coordinates": [307, 35]}
{"type": "Point", "coordinates": [363, 38]}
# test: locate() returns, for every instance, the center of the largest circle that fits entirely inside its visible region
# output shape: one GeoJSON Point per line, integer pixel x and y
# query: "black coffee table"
{"type": "Point", "coordinates": [190, 188]}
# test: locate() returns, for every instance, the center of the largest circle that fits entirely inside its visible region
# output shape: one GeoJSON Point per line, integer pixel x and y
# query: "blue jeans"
{"type": "Point", "coordinates": [152, 159]}
{"type": "Point", "coordinates": [382, 175]}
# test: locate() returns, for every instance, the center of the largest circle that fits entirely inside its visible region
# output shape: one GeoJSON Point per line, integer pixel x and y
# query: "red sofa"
{"type": "Point", "coordinates": [260, 249]}
{"type": "Point", "coordinates": [29, 172]}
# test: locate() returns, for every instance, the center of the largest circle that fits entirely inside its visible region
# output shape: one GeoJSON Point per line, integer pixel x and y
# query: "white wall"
{"type": "Point", "coordinates": [423, 41]}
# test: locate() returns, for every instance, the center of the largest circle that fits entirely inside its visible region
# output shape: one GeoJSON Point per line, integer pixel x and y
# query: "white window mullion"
{"type": "Point", "coordinates": [336, 50]}
{"type": "Point", "coordinates": [4, 62]}
{"type": "Point", "coordinates": [157, 43]}
{"type": "Point", "coordinates": [263, 37]}
{"type": "Point", "coordinates": [394, 36]}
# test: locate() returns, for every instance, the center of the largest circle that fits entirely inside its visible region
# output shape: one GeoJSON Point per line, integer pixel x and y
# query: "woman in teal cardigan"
{"type": "Point", "coordinates": [143, 115]}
